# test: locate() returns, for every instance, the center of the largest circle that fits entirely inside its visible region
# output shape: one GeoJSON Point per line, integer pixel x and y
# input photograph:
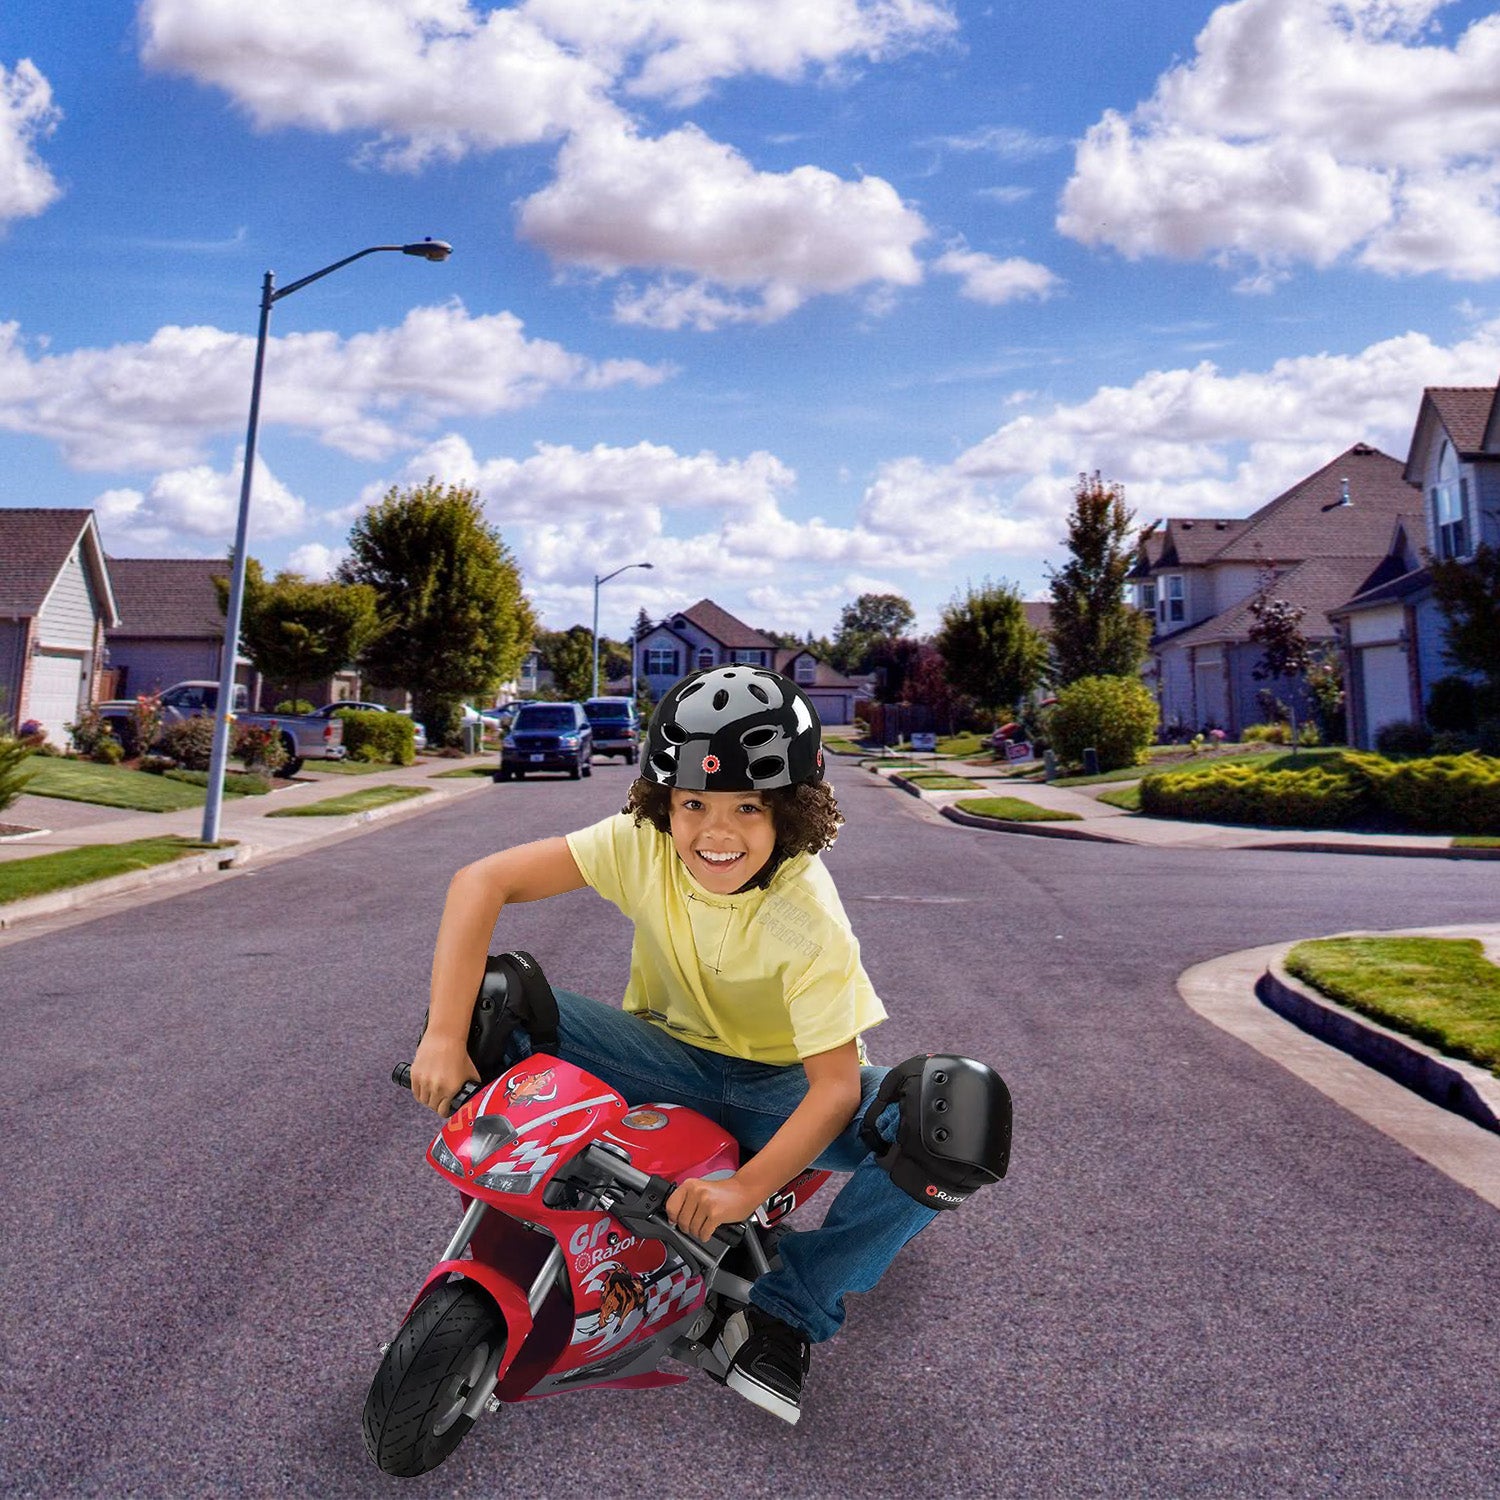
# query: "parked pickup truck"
{"type": "Point", "coordinates": [303, 736]}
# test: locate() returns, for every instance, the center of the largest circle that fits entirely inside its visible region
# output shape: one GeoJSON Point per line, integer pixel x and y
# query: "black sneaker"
{"type": "Point", "coordinates": [767, 1361]}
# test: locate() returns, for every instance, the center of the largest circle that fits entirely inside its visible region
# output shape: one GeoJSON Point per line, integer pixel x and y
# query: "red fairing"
{"type": "Point", "coordinates": [669, 1141]}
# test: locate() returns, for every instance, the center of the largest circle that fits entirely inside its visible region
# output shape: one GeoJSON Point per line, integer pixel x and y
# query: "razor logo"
{"type": "Point", "coordinates": [934, 1191]}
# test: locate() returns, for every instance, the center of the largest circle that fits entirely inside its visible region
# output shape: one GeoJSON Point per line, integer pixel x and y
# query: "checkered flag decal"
{"type": "Point", "coordinates": [529, 1156]}
{"type": "Point", "coordinates": [675, 1290]}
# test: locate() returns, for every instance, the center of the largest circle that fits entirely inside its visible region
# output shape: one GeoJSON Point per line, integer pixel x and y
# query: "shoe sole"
{"type": "Point", "coordinates": [763, 1397]}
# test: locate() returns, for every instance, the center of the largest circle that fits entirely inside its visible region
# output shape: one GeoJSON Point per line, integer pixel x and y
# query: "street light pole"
{"type": "Point", "coordinates": [597, 581]}
{"type": "Point", "coordinates": [429, 249]}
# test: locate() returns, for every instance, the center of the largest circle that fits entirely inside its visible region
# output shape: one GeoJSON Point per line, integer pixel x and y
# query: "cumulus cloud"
{"type": "Point", "coordinates": [27, 115]}
{"type": "Point", "coordinates": [191, 507]}
{"type": "Point", "coordinates": [157, 404]}
{"type": "Point", "coordinates": [683, 203]}
{"type": "Point", "coordinates": [996, 282]}
{"type": "Point", "coordinates": [316, 560]}
{"type": "Point", "coordinates": [1307, 131]}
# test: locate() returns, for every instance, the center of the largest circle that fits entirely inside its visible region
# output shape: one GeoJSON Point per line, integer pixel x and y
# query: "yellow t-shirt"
{"type": "Point", "coordinates": [770, 975]}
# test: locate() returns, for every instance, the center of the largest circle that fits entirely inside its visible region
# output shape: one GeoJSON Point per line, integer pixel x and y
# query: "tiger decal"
{"type": "Point", "coordinates": [532, 1088]}
{"type": "Point", "coordinates": [623, 1294]}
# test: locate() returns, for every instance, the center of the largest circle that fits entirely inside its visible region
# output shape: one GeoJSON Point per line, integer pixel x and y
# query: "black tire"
{"type": "Point", "coordinates": [630, 757]}
{"type": "Point", "coordinates": [413, 1415]}
{"type": "Point", "coordinates": [293, 762]}
{"type": "Point", "coordinates": [503, 774]}
{"type": "Point", "coordinates": [588, 766]}
{"type": "Point", "coordinates": [576, 770]}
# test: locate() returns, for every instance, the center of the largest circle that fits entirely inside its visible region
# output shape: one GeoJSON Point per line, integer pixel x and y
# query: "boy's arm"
{"type": "Point", "coordinates": [833, 1095]}
{"type": "Point", "coordinates": [476, 896]}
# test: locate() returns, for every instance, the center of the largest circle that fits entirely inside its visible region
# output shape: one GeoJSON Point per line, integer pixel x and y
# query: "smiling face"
{"type": "Point", "coordinates": [724, 838]}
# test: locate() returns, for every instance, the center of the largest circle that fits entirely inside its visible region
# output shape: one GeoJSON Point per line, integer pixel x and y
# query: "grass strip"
{"type": "Point", "coordinates": [236, 783]}
{"type": "Point", "coordinates": [43, 873]}
{"type": "Point", "coordinates": [345, 767]}
{"type": "Point", "coordinates": [1015, 810]}
{"type": "Point", "coordinates": [840, 745]}
{"type": "Point", "coordinates": [486, 771]}
{"type": "Point", "coordinates": [1128, 797]}
{"type": "Point", "coordinates": [1476, 841]}
{"type": "Point", "coordinates": [352, 802]}
{"type": "Point", "coordinates": [1274, 759]}
{"type": "Point", "coordinates": [937, 781]}
{"type": "Point", "coordinates": [116, 786]}
{"type": "Point", "coordinates": [1443, 991]}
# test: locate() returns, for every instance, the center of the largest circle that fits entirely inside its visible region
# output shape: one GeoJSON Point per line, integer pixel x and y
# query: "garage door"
{"type": "Point", "coordinates": [1387, 688]}
{"type": "Point", "coordinates": [56, 687]}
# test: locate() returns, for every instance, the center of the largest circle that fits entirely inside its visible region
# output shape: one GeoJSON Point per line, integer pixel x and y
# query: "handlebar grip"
{"type": "Point", "coordinates": [401, 1074]}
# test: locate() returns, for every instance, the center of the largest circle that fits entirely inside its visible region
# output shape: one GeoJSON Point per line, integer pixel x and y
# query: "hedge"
{"type": "Point", "coordinates": [370, 735]}
{"type": "Point", "coordinates": [1454, 794]}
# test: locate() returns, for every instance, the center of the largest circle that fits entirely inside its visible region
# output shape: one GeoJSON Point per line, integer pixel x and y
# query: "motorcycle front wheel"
{"type": "Point", "coordinates": [414, 1415]}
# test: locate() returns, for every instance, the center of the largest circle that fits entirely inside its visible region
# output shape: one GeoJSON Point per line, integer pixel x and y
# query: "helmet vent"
{"type": "Point", "coordinates": [767, 766]}
{"type": "Point", "coordinates": [674, 733]}
{"type": "Point", "coordinates": [759, 736]}
{"type": "Point", "coordinates": [691, 688]}
{"type": "Point", "coordinates": [663, 764]}
{"type": "Point", "coordinates": [759, 691]}
{"type": "Point", "coordinates": [720, 699]}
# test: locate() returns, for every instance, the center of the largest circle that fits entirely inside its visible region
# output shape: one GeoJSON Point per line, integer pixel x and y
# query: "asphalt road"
{"type": "Point", "coordinates": [1201, 1277]}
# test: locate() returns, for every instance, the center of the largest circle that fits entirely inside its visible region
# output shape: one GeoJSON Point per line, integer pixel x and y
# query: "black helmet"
{"type": "Point", "coordinates": [734, 729]}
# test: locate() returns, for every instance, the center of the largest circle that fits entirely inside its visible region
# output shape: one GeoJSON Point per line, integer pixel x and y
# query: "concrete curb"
{"type": "Point", "coordinates": [1447, 1081]}
{"type": "Point", "coordinates": [1041, 828]}
{"type": "Point", "coordinates": [13, 914]}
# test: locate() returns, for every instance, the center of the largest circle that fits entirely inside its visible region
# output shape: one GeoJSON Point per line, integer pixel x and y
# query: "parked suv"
{"type": "Point", "coordinates": [617, 727]}
{"type": "Point", "coordinates": [548, 737]}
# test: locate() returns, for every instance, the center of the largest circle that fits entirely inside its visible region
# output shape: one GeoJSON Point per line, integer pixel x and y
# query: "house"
{"type": "Point", "coordinates": [1318, 543]}
{"type": "Point", "coordinates": [56, 602]}
{"type": "Point", "coordinates": [1392, 628]}
{"type": "Point", "coordinates": [704, 635]}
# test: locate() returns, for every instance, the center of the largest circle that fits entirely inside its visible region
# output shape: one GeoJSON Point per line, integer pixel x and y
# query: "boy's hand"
{"type": "Point", "coordinates": [699, 1207]}
{"type": "Point", "coordinates": [439, 1070]}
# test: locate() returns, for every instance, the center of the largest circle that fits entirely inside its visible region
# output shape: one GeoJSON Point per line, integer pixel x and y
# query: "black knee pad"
{"type": "Point", "coordinates": [514, 992]}
{"type": "Point", "coordinates": [954, 1132]}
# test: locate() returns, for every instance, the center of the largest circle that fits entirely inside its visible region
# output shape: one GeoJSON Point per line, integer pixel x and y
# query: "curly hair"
{"type": "Point", "coordinates": [806, 817]}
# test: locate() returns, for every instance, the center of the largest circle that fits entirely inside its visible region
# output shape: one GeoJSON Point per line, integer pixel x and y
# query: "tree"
{"type": "Point", "coordinates": [1095, 630]}
{"type": "Point", "coordinates": [894, 661]}
{"type": "Point", "coordinates": [992, 653]}
{"type": "Point", "coordinates": [871, 618]}
{"type": "Point", "coordinates": [1468, 595]}
{"type": "Point", "coordinates": [1277, 630]}
{"type": "Point", "coordinates": [296, 631]}
{"type": "Point", "coordinates": [569, 656]}
{"type": "Point", "coordinates": [454, 620]}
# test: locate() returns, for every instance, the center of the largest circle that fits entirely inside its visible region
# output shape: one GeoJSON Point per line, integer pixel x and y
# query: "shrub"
{"type": "Point", "coordinates": [14, 752]}
{"type": "Point", "coordinates": [1403, 738]}
{"type": "Point", "coordinates": [156, 764]}
{"type": "Point", "coordinates": [293, 706]}
{"type": "Point", "coordinates": [32, 729]}
{"type": "Point", "coordinates": [373, 736]}
{"type": "Point", "coordinates": [1451, 705]}
{"type": "Point", "coordinates": [108, 751]}
{"type": "Point", "coordinates": [259, 746]}
{"type": "Point", "coordinates": [1487, 737]}
{"type": "Point", "coordinates": [1116, 716]}
{"type": "Point", "coordinates": [144, 728]}
{"type": "Point", "coordinates": [1324, 796]}
{"type": "Point", "coordinates": [88, 731]}
{"type": "Point", "coordinates": [190, 742]}
{"type": "Point", "coordinates": [1440, 794]}
{"type": "Point", "coordinates": [1266, 734]}
{"type": "Point", "coordinates": [1453, 742]}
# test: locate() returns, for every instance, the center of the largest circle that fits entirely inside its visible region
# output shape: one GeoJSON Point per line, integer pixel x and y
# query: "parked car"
{"type": "Point", "coordinates": [617, 727]}
{"type": "Point", "coordinates": [303, 736]}
{"type": "Point", "coordinates": [419, 739]}
{"type": "Point", "coordinates": [548, 737]}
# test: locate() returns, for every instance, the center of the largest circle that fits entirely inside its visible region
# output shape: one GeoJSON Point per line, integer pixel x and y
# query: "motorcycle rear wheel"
{"type": "Point", "coordinates": [414, 1416]}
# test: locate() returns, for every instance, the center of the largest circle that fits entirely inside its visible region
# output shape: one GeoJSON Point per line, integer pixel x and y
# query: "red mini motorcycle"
{"type": "Point", "coordinates": [564, 1271]}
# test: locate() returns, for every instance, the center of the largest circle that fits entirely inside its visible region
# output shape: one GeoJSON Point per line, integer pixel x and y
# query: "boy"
{"type": "Point", "coordinates": [746, 997]}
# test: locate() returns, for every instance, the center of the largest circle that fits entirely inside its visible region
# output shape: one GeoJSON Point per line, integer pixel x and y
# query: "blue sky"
{"type": "Point", "coordinates": [797, 299]}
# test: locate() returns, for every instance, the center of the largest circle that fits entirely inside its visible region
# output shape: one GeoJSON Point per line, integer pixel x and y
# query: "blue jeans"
{"type": "Point", "coordinates": [867, 1223]}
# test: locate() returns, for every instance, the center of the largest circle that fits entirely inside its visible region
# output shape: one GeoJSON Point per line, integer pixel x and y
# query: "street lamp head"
{"type": "Point", "coordinates": [429, 249]}
{"type": "Point", "coordinates": [643, 565]}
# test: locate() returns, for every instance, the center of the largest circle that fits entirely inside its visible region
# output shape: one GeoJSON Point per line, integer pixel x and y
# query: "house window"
{"type": "Point", "coordinates": [1170, 605]}
{"type": "Point", "coordinates": [705, 659]}
{"type": "Point", "coordinates": [661, 661]}
{"type": "Point", "coordinates": [806, 669]}
{"type": "Point", "coordinates": [1450, 507]}
{"type": "Point", "coordinates": [1146, 598]}
{"type": "Point", "coordinates": [751, 658]}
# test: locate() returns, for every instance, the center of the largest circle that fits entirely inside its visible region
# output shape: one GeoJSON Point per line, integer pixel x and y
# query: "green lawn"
{"type": "Point", "coordinates": [488, 771]}
{"type": "Point", "coordinates": [20, 878]}
{"type": "Point", "coordinates": [351, 802]}
{"type": "Point", "coordinates": [1442, 991]}
{"type": "Point", "coordinates": [938, 781]}
{"type": "Point", "coordinates": [841, 746]}
{"type": "Point", "coordinates": [114, 786]}
{"type": "Point", "coordinates": [1275, 758]}
{"type": "Point", "coordinates": [1128, 797]}
{"type": "Point", "coordinates": [346, 767]}
{"type": "Point", "coordinates": [1015, 810]}
{"type": "Point", "coordinates": [1476, 841]}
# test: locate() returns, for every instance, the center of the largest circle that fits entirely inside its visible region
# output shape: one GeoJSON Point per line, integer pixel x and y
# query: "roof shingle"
{"type": "Point", "coordinates": [168, 596]}
{"type": "Point", "coordinates": [34, 544]}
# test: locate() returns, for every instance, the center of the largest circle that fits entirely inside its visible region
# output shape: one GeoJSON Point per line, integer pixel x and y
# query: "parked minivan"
{"type": "Point", "coordinates": [547, 737]}
{"type": "Point", "coordinates": [617, 727]}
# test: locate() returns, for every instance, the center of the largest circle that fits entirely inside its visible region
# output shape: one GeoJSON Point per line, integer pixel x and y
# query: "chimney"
{"type": "Point", "coordinates": [1344, 493]}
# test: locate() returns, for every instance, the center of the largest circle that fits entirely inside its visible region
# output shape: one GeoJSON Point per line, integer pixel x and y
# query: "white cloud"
{"type": "Point", "coordinates": [686, 204]}
{"type": "Point", "coordinates": [1307, 131]}
{"type": "Point", "coordinates": [27, 115]}
{"type": "Point", "coordinates": [1011, 142]}
{"type": "Point", "coordinates": [996, 282]}
{"type": "Point", "coordinates": [315, 560]}
{"type": "Point", "coordinates": [156, 405]}
{"type": "Point", "coordinates": [191, 507]}
{"type": "Point", "coordinates": [431, 78]}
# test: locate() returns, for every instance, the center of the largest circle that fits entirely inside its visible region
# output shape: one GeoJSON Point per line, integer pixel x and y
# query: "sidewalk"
{"type": "Point", "coordinates": [1098, 822]}
{"type": "Point", "coordinates": [257, 837]}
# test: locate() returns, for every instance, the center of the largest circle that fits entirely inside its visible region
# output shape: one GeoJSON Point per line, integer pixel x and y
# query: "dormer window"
{"type": "Point", "coordinates": [1146, 596]}
{"type": "Point", "coordinates": [805, 670]}
{"type": "Point", "coordinates": [1449, 499]}
{"type": "Point", "coordinates": [1171, 606]}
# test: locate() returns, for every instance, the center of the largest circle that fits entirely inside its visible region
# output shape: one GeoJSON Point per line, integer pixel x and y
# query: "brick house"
{"type": "Point", "coordinates": [704, 635]}
{"type": "Point", "coordinates": [1322, 541]}
{"type": "Point", "coordinates": [56, 602]}
{"type": "Point", "coordinates": [1391, 627]}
